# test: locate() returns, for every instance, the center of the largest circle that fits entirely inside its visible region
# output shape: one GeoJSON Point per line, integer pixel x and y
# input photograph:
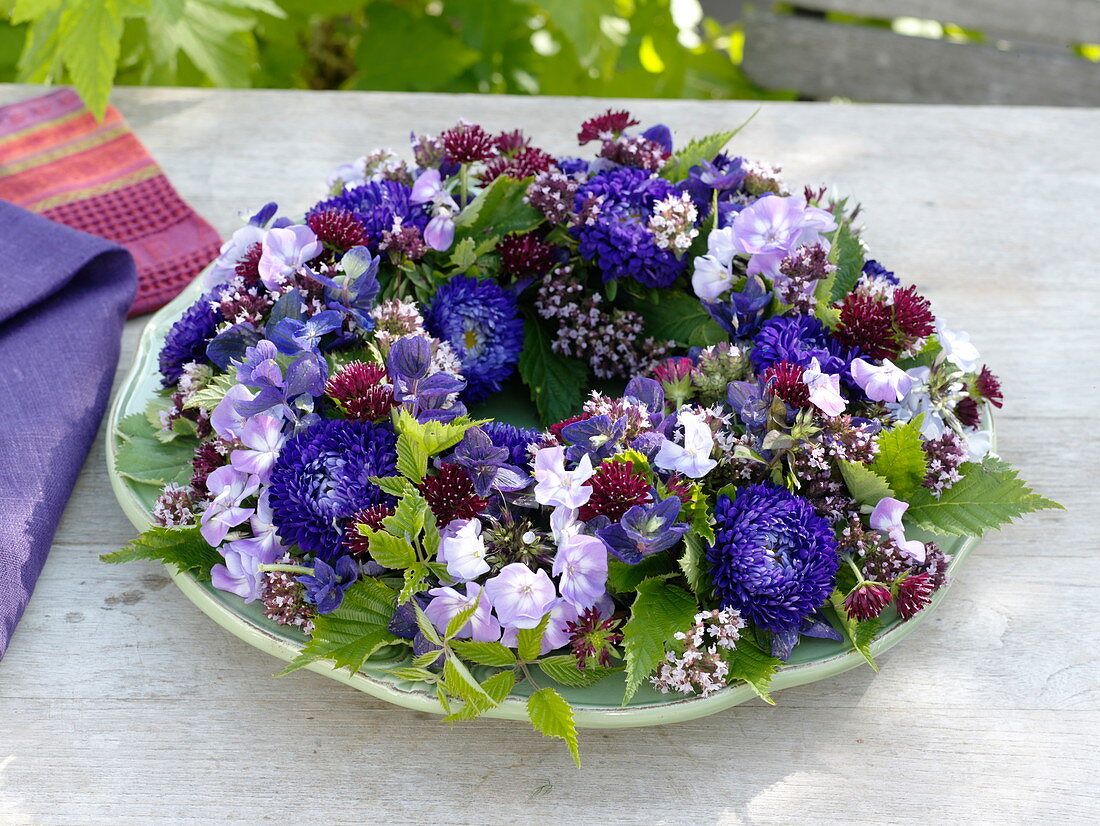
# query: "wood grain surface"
{"type": "Point", "coordinates": [120, 703]}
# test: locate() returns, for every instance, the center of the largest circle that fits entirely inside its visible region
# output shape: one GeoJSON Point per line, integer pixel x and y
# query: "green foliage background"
{"type": "Point", "coordinates": [623, 48]}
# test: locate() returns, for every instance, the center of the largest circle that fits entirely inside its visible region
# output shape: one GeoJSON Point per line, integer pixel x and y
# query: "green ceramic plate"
{"type": "Point", "coordinates": [597, 706]}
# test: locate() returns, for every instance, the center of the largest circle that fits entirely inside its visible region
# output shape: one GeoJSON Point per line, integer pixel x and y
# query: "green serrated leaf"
{"type": "Point", "coordinates": [556, 382]}
{"type": "Point", "coordinates": [141, 456]}
{"type": "Point", "coordinates": [499, 209]}
{"type": "Point", "coordinates": [623, 577]}
{"type": "Point", "coordinates": [750, 663]}
{"type": "Point", "coordinates": [419, 675]}
{"type": "Point", "coordinates": [388, 550]}
{"type": "Point", "coordinates": [484, 653]}
{"type": "Point", "coordinates": [659, 611]}
{"type": "Point", "coordinates": [901, 460]}
{"type": "Point", "coordinates": [552, 716]}
{"type": "Point", "coordinates": [693, 562]}
{"type": "Point", "coordinates": [495, 690]}
{"type": "Point", "coordinates": [847, 254]}
{"type": "Point", "coordinates": [212, 393]}
{"type": "Point", "coordinates": [352, 632]}
{"type": "Point", "coordinates": [987, 496]}
{"type": "Point", "coordinates": [529, 644]}
{"type": "Point", "coordinates": [698, 150]}
{"type": "Point", "coordinates": [426, 626]}
{"type": "Point", "coordinates": [563, 669]}
{"type": "Point", "coordinates": [393, 485]}
{"type": "Point", "coordinates": [183, 547]}
{"type": "Point", "coordinates": [464, 255]}
{"type": "Point", "coordinates": [461, 683]}
{"type": "Point", "coordinates": [677, 316]}
{"type": "Point", "coordinates": [409, 516]}
{"type": "Point", "coordinates": [865, 486]}
{"type": "Point", "coordinates": [459, 620]}
{"type": "Point", "coordinates": [416, 580]}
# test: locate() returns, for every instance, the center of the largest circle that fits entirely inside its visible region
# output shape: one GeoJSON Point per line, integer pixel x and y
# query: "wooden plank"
{"type": "Point", "coordinates": [1058, 21]}
{"type": "Point", "coordinates": [822, 60]}
{"type": "Point", "coordinates": [122, 705]}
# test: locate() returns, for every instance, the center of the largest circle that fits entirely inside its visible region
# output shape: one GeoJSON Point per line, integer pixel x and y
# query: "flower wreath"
{"type": "Point", "coordinates": [775, 416]}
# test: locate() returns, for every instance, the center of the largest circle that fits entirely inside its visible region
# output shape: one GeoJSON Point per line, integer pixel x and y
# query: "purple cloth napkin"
{"type": "Point", "coordinates": [63, 299]}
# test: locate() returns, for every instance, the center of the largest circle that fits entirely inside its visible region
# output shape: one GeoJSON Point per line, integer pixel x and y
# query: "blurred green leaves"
{"type": "Point", "coordinates": [623, 48]}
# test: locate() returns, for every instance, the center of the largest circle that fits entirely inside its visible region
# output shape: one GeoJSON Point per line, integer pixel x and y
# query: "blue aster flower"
{"type": "Point", "coordinates": [322, 477]}
{"type": "Point", "coordinates": [480, 320]}
{"type": "Point", "coordinates": [187, 338]}
{"type": "Point", "coordinates": [376, 204]}
{"type": "Point", "coordinates": [515, 439]}
{"type": "Point", "coordinates": [774, 558]}
{"type": "Point", "coordinates": [619, 240]}
{"type": "Point", "coordinates": [799, 339]}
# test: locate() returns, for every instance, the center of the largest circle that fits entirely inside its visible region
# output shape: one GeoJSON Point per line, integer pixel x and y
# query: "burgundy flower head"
{"type": "Point", "coordinates": [788, 383]}
{"type": "Point", "coordinates": [914, 595]}
{"type": "Point", "coordinates": [525, 254]}
{"type": "Point", "coordinates": [467, 143]}
{"type": "Point", "coordinates": [968, 413]}
{"type": "Point", "coordinates": [616, 488]}
{"type": "Point", "coordinates": [525, 163]}
{"type": "Point", "coordinates": [338, 228]}
{"type": "Point", "coordinates": [354, 541]}
{"type": "Point", "coordinates": [989, 387]}
{"type": "Point", "coordinates": [604, 126]}
{"type": "Point", "coordinates": [593, 637]}
{"type": "Point", "coordinates": [361, 391]}
{"type": "Point", "coordinates": [913, 315]}
{"type": "Point", "coordinates": [450, 494]}
{"type": "Point", "coordinates": [867, 601]}
{"type": "Point", "coordinates": [508, 143]}
{"type": "Point", "coordinates": [866, 322]}
{"type": "Point", "coordinates": [248, 267]}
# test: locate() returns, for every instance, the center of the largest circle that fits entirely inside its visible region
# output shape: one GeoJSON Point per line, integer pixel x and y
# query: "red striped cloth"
{"type": "Point", "coordinates": [58, 160]}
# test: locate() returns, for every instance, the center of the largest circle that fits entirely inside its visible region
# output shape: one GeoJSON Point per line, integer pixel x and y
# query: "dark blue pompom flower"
{"type": "Point", "coordinates": [376, 204]}
{"type": "Point", "coordinates": [322, 477]}
{"type": "Point", "coordinates": [619, 240]}
{"type": "Point", "coordinates": [799, 339]}
{"type": "Point", "coordinates": [514, 439]}
{"type": "Point", "coordinates": [480, 320]}
{"type": "Point", "coordinates": [187, 339]}
{"type": "Point", "coordinates": [774, 558]}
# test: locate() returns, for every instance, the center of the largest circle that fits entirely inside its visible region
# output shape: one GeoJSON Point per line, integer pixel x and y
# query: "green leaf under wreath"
{"type": "Point", "coordinates": [144, 458]}
{"type": "Point", "coordinates": [659, 611]}
{"type": "Point", "coordinates": [865, 486]}
{"type": "Point", "coordinates": [500, 208]}
{"type": "Point", "coordinates": [677, 316]}
{"type": "Point", "coordinates": [552, 716]}
{"type": "Point", "coordinates": [183, 547]}
{"type": "Point", "coordinates": [563, 669]}
{"type": "Point", "coordinates": [748, 662]}
{"type": "Point", "coordinates": [987, 496]}
{"type": "Point", "coordinates": [556, 382]}
{"type": "Point", "coordinates": [847, 254]}
{"type": "Point", "coordinates": [352, 632]}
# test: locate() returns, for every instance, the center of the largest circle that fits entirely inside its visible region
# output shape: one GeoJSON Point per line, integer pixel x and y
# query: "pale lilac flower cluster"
{"type": "Point", "coordinates": [551, 193]}
{"type": "Point", "coordinates": [673, 222]}
{"type": "Point", "coordinates": [701, 668]}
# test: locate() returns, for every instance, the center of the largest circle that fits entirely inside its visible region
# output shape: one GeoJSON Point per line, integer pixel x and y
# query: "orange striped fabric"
{"type": "Point", "coordinates": [58, 160]}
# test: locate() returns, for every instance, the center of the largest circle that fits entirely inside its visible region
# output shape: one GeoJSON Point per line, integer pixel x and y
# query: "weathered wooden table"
{"type": "Point", "coordinates": [120, 703]}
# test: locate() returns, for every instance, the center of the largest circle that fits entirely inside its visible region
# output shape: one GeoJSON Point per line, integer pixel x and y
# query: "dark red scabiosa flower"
{"type": "Point", "coordinates": [680, 488]}
{"type": "Point", "coordinates": [788, 383]}
{"type": "Point", "coordinates": [248, 267]}
{"type": "Point", "coordinates": [360, 390]}
{"type": "Point", "coordinates": [450, 494]}
{"type": "Point", "coordinates": [338, 228]}
{"type": "Point", "coordinates": [605, 126]}
{"type": "Point", "coordinates": [591, 637]}
{"type": "Point", "coordinates": [866, 322]}
{"type": "Point", "coordinates": [867, 601]}
{"type": "Point", "coordinates": [206, 460]}
{"type": "Point", "coordinates": [912, 316]}
{"type": "Point", "coordinates": [467, 143]}
{"type": "Point", "coordinates": [914, 595]}
{"type": "Point", "coordinates": [616, 488]}
{"type": "Point", "coordinates": [508, 143]}
{"type": "Point", "coordinates": [525, 254]}
{"type": "Point", "coordinates": [372, 517]}
{"type": "Point", "coordinates": [989, 387]}
{"type": "Point", "coordinates": [968, 413]}
{"type": "Point", "coordinates": [525, 163]}
{"type": "Point", "coordinates": [556, 428]}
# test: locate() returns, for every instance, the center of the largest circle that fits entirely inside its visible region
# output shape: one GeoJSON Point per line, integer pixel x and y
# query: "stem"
{"type": "Point", "coordinates": [860, 579]}
{"type": "Point", "coordinates": [464, 184]}
{"type": "Point", "coordinates": [290, 569]}
{"type": "Point", "coordinates": [523, 667]}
